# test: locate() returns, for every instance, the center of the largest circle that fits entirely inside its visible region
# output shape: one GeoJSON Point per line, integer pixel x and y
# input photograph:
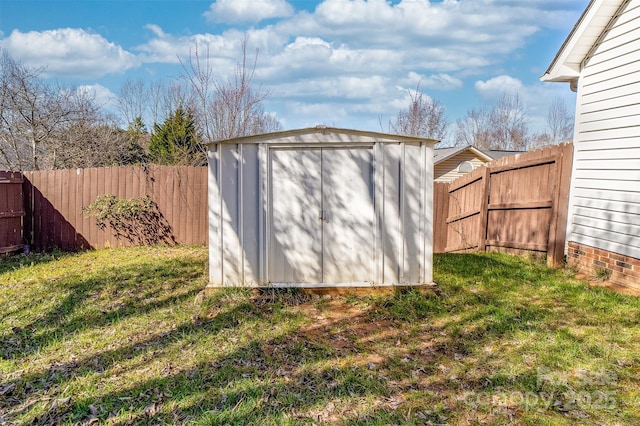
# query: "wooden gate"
{"type": "Point", "coordinates": [11, 212]}
{"type": "Point", "coordinates": [516, 204]}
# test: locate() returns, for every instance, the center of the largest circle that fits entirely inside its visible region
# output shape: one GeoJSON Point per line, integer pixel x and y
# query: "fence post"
{"type": "Point", "coordinates": [557, 231]}
{"type": "Point", "coordinates": [440, 213]}
{"type": "Point", "coordinates": [484, 209]}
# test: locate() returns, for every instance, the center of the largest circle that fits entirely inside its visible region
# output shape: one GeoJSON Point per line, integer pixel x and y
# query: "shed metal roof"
{"type": "Point", "coordinates": [325, 133]}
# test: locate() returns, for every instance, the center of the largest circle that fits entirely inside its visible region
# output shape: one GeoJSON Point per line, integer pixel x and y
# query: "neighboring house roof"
{"type": "Point", "coordinates": [499, 153]}
{"type": "Point", "coordinates": [443, 154]}
{"type": "Point", "coordinates": [592, 24]}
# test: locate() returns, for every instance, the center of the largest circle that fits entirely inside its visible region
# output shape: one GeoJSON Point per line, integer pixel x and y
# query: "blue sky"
{"type": "Point", "coordinates": [344, 63]}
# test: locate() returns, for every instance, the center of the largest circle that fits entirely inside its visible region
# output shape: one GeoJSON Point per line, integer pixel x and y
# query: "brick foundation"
{"type": "Point", "coordinates": [623, 270]}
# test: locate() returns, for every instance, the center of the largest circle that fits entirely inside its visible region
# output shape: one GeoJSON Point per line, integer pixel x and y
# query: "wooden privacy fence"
{"type": "Point", "coordinates": [516, 204]}
{"type": "Point", "coordinates": [54, 201]}
{"type": "Point", "coordinates": [11, 212]}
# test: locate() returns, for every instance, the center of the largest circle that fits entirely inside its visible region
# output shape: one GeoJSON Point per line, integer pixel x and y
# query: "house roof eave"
{"type": "Point", "coordinates": [567, 63]}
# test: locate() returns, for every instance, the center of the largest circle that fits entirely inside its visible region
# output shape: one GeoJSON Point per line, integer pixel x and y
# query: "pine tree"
{"type": "Point", "coordinates": [176, 141]}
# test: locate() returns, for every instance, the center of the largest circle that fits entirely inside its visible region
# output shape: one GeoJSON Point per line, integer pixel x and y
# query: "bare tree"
{"type": "Point", "coordinates": [32, 112]}
{"type": "Point", "coordinates": [231, 108]}
{"type": "Point", "coordinates": [45, 126]}
{"type": "Point", "coordinates": [425, 117]}
{"type": "Point", "coordinates": [559, 122]}
{"type": "Point", "coordinates": [509, 125]}
{"type": "Point", "coordinates": [505, 126]}
{"type": "Point", "coordinates": [133, 100]}
{"type": "Point", "coordinates": [156, 92]}
{"type": "Point", "coordinates": [474, 129]}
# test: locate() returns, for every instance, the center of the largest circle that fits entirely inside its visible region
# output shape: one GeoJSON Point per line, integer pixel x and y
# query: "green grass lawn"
{"type": "Point", "coordinates": [121, 337]}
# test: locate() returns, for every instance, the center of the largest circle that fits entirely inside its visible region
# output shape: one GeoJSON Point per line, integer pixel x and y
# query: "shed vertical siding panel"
{"type": "Point", "coordinates": [427, 212]}
{"type": "Point", "coordinates": [231, 215]}
{"type": "Point", "coordinates": [379, 177]}
{"type": "Point", "coordinates": [392, 244]}
{"type": "Point", "coordinates": [606, 146]}
{"type": "Point", "coordinates": [413, 213]}
{"type": "Point", "coordinates": [215, 216]}
{"type": "Point", "coordinates": [250, 214]}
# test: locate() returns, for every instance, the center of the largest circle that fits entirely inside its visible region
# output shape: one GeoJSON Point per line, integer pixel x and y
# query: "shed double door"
{"type": "Point", "coordinates": [322, 216]}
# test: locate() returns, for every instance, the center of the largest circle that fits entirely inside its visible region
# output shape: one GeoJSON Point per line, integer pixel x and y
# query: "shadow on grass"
{"type": "Point", "coordinates": [303, 375]}
{"type": "Point", "coordinates": [109, 295]}
{"type": "Point", "coordinates": [9, 263]}
{"type": "Point", "coordinates": [384, 364]}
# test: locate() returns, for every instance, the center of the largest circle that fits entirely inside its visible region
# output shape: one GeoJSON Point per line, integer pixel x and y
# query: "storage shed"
{"type": "Point", "coordinates": [321, 207]}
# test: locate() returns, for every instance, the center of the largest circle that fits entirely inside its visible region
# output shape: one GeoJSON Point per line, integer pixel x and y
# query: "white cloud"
{"type": "Point", "coordinates": [221, 51]}
{"type": "Point", "coordinates": [440, 81]}
{"type": "Point", "coordinates": [441, 41]}
{"type": "Point", "coordinates": [495, 87]}
{"type": "Point", "coordinates": [238, 11]}
{"type": "Point", "coordinates": [302, 42]}
{"type": "Point", "coordinates": [345, 89]}
{"type": "Point", "coordinates": [166, 48]}
{"type": "Point", "coordinates": [69, 52]}
{"type": "Point", "coordinates": [103, 96]}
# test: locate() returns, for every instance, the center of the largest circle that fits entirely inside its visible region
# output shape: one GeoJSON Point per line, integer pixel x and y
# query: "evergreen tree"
{"type": "Point", "coordinates": [136, 137]}
{"type": "Point", "coordinates": [176, 141]}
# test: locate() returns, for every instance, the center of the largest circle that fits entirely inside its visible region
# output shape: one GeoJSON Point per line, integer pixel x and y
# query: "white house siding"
{"type": "Point", "coordinates": [605, 210]}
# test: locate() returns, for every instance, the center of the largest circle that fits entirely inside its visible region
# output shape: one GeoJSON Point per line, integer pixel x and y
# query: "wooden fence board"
{"type": "Point", "coordinates": [12, 212]}
{"type": "Point", "coordinates": [440, 212]}
{"type": "Point", "coordinates": [516, 204]}
{"type": "Point", "coordinates": [55, 199]}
